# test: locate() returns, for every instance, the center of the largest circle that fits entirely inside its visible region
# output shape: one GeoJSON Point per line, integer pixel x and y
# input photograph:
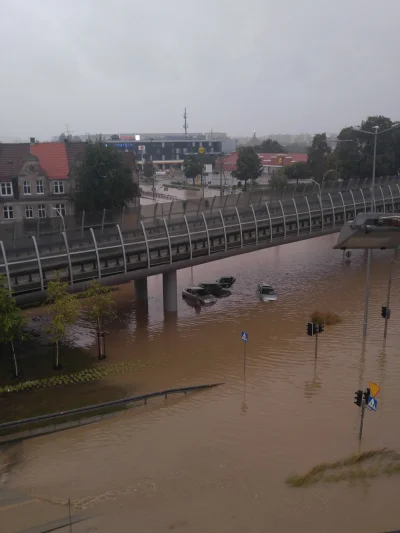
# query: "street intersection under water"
{"type": "Point", "coordinates": [217, 460]}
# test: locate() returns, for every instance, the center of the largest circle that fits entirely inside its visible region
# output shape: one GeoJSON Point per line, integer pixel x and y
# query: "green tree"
{"type": "Point", "coordinates": [12, 324]}
{"type": "Point", "coordinates": [192, 166]}
{"type": "Point", "coordinates": [278, 180]}
{"type": "Point", "coordinates": [317, 156]}
{"type": "Point", "coordinates": [102, 180]}
{"type": "Point", "coordinates": [355, 155]}
{"type": "Point", "coordinates": [64, 312]}
{"type": "Point", "coordinates": [270, 146]}
{"type": "Point", "coordinates": [148, 169]}
{"type": "Point", "coordinates": [297, 171]}
{"type": "Point", "coordinates": [100, 310]}
{"type": "Point", "coordinates": [248, 165]}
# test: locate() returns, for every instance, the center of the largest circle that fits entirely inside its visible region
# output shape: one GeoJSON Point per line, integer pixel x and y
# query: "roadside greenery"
{"type": "Point", "coordinates": [351, 156]}
{"type": "Point", "coordinates": [248, 166]}
{"type": "Point", "coordinates": [103, 181]}
{"type": "Point", "coordinates": [192, 166]}
{"type": "Point", "coordinates": [148, 169]}
{"type": "Point", "coordinates": [100, 310]}
{"type": "Point", "coordinates": [12, 324]}
{"type": "Point", "coordinates": [368, 464]}
{"type": "Point", "coordinates": [84, 376]}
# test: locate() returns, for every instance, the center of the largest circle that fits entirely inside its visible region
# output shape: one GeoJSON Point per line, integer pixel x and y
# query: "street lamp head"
{"type": "Point", "coordinates": [376, 128]}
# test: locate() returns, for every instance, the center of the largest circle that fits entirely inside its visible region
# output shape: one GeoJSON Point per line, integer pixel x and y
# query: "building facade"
{"type": "Point", "coordinates": [36, 179]}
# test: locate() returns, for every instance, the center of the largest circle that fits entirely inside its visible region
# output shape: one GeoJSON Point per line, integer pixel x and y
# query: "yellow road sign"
{"type": "Point", "coordinates": [201, 150]}
{"type": "Point", "coordinates": [374, 388]}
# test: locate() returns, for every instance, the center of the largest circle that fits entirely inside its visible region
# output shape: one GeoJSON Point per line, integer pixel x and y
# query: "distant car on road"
{"type": "Point", "coordinates": [215, 289]}
{"type": "Point", "coordinates": [198, 295]}
{"type": "Point", "coordinates": [266, 292]}
{"type": "Point", "coordinates": [226, 282]}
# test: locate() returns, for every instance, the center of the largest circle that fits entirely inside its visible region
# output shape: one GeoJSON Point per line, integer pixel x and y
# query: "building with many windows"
{"type": "Point", "coordinates": [169, 151]}
{"type": "Point", "coordinates": [36, 179]}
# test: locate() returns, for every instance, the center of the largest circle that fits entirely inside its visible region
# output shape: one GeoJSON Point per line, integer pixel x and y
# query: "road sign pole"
{"type": "Point", "coordinates": [362, 419]}
{"type": "Point", "coordinates": [244, 356]}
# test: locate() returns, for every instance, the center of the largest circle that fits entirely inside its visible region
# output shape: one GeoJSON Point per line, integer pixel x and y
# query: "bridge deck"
{"type": "Point", "coordinates": [157, 244]}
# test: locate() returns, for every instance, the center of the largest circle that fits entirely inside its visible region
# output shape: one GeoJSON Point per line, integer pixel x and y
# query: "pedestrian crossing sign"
{"type": "Point", "coordinates": [372, 403]}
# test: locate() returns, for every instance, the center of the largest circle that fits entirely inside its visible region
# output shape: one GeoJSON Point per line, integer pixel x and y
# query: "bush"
{"type": "Point", "coordinates": [327, 318]}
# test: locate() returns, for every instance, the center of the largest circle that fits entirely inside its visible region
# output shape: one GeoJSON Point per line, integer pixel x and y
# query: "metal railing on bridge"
{"type": "Point", "coordinates": [50, 228]}
{"type": "Point", "coordinates": [177, 234]}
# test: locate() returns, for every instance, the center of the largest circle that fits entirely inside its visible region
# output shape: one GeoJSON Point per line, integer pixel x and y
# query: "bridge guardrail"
{"type": "Point", "coordinates": [161, 241]}
{"type": "Point", "coordinates": [50, 229]}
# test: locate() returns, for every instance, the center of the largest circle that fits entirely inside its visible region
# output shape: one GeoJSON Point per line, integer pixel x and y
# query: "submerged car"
{"type": "Point", "coordinates": [215, 289]}
{"type": "Point", "coordinates": [226, 282]}
{"type": "Point", "coordinates": [198, 295]}
{"type": "Point", "coordinates": [266, 292]}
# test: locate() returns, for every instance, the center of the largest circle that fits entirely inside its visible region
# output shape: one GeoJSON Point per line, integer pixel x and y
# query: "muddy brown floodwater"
{"type": "Point", "coordinates": [217, 461]}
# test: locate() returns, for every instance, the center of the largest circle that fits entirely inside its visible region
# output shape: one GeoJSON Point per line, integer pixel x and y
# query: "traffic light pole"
{"type": "Point", "coordinates": [316, 344]}
{"type": "Point", "coordinates": [362, 418]}
{"type": "Point", "coordinates": [388, 300]}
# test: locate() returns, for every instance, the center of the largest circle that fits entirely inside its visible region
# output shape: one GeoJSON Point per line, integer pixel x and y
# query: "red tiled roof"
{"type": "Point", "coordinates": [12, 158]}
{"type": "Point", "coordinates": [267, 160]}
{"type": "Point", "coordinates": [53, 159]}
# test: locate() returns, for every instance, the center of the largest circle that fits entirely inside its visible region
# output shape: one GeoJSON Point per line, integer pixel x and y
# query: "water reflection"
{"type": "Point", "coordinates": [301, 408]}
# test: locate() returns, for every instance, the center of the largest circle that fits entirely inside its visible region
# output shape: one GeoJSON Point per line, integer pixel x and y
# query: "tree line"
{"type": "Point", "coordinates": [63, 309]}
{"type": "Point", "coordinates": [349, 156]}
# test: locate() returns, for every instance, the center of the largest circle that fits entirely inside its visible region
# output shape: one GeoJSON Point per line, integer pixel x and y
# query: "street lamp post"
{"type": "Point", "coordinates": [392, 262]}
{"type": "Point", "coordinates": [60, 215]}
{"type": "Point", "coordinates": [316, 183]}
{"type": "Point", "coordinates": [375, 133]}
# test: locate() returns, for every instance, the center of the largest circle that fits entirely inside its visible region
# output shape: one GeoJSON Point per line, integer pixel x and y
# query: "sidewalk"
{"type": "Point", "coordinates": [22, 513]}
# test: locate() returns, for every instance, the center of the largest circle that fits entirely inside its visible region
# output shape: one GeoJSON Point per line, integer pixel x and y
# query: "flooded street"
{"type": "Point", "coordinates": [217, 461]}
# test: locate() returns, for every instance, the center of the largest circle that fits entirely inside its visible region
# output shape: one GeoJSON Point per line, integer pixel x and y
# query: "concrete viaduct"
{"type": "Point", "coordinates": [166, 237]}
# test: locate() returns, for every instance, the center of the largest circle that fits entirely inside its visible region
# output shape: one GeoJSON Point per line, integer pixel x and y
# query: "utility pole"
{"type": "Point", "coordinates": [221, 171]}
{"type": "Point", "coordinates": [363, 402]}
{"type": "Point", "coordinates": [185, 124]}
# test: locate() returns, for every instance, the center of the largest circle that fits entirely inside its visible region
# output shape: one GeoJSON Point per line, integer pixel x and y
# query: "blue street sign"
{"type": "Point", "coordinates": [372, 403]}
{"type": "Point", "coordinates": [245, 336]}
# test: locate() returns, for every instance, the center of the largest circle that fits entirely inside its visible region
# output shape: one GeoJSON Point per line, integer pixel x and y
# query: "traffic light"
{"type": "Point", "coordinates": [358, 397]}
{"type": "Point", "coordinates": [315, 328]}
{"type": "Point", "coordinates": [320, 328]}
{"type": "Point", "coordinates": [384, 312]}
{"type": "Point", "coordinates": [310, 329]}
{"type": "Point", "coordinates": [367, 392]}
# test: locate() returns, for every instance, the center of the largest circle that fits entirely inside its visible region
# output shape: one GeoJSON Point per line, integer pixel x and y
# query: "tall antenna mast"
{"type": "Point", "coordinates": [185, 125]}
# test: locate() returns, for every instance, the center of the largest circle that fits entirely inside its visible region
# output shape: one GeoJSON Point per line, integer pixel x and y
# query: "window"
{"type": "Point", "coordinates": [8, 212]}
{"type": "Point", "coordinates": [60, 208]}
{"type": "Point", "coordinates": [163, 157]}
{"type": "Point", "coordinates": [6, 189]}
{"type": "Point", "coordinates": [42, 211]}
{"type": "Point", "coordinates": [58, 187]}
{"type": "Point", "coordinates": [27, 187]}
{"type": "Point", "coordinates": [39, 187]}
{"type": "Point", "coordinates": [28, 211]}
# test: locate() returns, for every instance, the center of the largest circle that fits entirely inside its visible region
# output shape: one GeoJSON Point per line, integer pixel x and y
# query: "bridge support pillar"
{"type": "Point", "coordinates": [141, 290]}
{"type": "Point", "coordinates": [170, 294]}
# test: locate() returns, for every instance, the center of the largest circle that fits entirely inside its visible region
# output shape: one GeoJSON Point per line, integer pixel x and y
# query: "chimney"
{"type": "Point", "coordinates": [32, 140]}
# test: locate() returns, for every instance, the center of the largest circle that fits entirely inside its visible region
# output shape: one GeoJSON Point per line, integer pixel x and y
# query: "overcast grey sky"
{"type": "Point", "coordinates": [128, 65]}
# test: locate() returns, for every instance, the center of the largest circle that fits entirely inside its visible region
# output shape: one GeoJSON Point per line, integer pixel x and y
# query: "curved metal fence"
{"type": "Point", "coordinates": [221, 226]}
